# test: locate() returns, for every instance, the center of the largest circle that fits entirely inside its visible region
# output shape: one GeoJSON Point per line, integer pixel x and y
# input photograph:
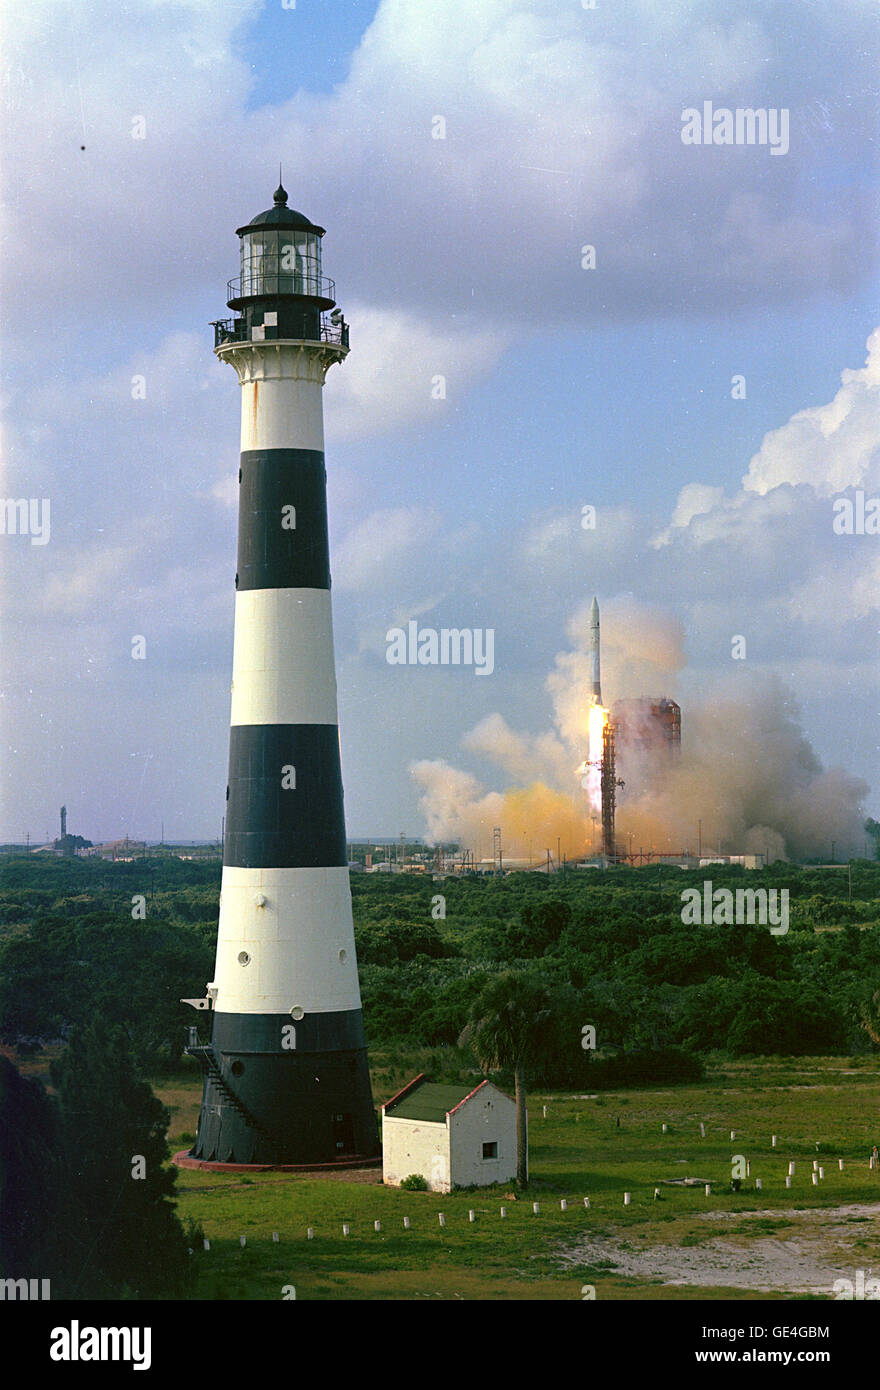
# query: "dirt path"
{"type": "Point", "coordinates": [814, 1250]}
{"type": "Point", "coordinates": [363, 1175]}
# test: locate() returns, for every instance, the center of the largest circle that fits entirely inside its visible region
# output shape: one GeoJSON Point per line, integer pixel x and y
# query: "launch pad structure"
{"type": "Point", "coordinates": [609, 784]}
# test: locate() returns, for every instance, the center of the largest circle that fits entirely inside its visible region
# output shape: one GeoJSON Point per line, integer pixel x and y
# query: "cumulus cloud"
{"type": "Point", "coordinates": [695, 499]}
{"type": "Point", "coordinates": [560, 129]}
{"type": "Point", "coordinates": [404, 369]}
{"type": "Point", "coordinates": [829, 447]}
{"type": "Point", "coordinates": [382, 546]}
{"type": "Point", "coordinates": [781, 519]}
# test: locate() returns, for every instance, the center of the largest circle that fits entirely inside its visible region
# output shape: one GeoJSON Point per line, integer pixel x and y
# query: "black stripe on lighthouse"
{"type": "Point", "coordinates": [342, 1031]}
{"type": "Point", "coordinates": [285, 807]}
{"type": "Point", "coordinates": [282, 520]}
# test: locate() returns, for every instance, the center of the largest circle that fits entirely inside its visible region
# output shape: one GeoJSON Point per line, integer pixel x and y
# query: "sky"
{"type": "Point", "coordinates": [707, 379]}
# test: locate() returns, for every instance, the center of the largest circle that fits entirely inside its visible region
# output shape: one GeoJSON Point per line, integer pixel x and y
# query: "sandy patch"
{"type": "Point", "coordinates": [807, 1257]}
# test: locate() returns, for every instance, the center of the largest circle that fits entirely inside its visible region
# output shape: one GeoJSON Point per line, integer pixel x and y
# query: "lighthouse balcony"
{"type": "Point", "coordinates": [256, 326]}
{"type": "Point", "coordinates": [265, 283]}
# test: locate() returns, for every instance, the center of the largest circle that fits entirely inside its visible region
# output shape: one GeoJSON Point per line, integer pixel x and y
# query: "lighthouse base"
{"type": "Point", "coordinates": [283, 1108]}
{"type": "Point", "coordinates": [186, 1160]}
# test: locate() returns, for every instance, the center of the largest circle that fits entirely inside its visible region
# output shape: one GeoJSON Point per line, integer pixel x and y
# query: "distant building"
{"type": "Point", "coordinates": [68, 845]}
{"type": "Point", "coordinates": [748, 861]}
{"type": "Point", "coordinates": [454, 1136]}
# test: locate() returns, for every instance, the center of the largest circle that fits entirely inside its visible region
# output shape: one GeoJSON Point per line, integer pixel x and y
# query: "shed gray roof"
{"type": "Point", "coordinates": [429, 1101]}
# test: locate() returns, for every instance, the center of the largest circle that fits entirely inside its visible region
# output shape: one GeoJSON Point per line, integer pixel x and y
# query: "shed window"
{"type": "Point", "coordinates": [490, 1150]}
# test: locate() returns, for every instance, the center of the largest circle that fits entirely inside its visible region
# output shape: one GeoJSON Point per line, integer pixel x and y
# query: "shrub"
{"type": "Point", "coordinates": [415, 1183]}
{"type": "Point", "coordinates": [647, 1066]}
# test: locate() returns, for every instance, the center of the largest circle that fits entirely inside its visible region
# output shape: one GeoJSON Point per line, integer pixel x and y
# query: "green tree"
{"type": "Point", "coordinates": [510, 1026]}
{"type": "Point", "coordinates": [29, 1175]}
{"type": "Point", "coordinates": [540, 927]}
{"type": "Point", "coordinates": [120, 1233]}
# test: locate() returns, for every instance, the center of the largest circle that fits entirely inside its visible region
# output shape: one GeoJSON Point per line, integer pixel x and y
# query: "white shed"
{"type": "Point", "coordinates": [455, 1136]}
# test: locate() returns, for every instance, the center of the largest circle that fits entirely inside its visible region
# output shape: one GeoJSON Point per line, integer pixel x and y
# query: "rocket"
{"type": "Point", "coordinates": [596, 685]}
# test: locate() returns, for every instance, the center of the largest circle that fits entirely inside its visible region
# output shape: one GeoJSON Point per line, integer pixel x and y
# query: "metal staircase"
{"type": "Point", "coordinates": [207, 1059]}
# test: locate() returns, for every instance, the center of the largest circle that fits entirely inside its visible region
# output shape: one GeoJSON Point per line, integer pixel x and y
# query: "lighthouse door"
{"type": "Point", "coordinates": [343, 1134]}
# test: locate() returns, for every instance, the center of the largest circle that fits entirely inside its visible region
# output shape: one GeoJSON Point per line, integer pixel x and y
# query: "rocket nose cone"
{"type": "Point", "coordinates": [594, 608]}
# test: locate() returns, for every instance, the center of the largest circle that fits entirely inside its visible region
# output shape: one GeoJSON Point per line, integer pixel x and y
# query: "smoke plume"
{"type": "Point", "coordinates": [746, 781]}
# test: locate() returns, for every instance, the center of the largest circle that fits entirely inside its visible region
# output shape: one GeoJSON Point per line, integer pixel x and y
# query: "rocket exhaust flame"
{"type": "Point", "coordinates": [597, 717]}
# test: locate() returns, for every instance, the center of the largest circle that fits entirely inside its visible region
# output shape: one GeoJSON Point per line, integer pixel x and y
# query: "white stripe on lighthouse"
{"type": "Point", "coordinates": [282, 414]}
{"type": "Point", "coordinates": [299, 942]}
{"type": "Point", "coordinates": [283, 669]}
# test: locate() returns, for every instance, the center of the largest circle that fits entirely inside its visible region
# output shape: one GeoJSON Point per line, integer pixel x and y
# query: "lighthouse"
{"type": "Point", "coordinates": [286, 1080]}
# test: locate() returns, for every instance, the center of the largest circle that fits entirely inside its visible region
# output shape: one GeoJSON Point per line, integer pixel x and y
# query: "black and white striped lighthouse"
{"type": "Point", "coordinates": [286, 1075]}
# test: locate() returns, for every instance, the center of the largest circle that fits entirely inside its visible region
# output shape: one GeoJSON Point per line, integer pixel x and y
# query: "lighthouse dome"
{"type": "Point", "coordinates": [281, 216]}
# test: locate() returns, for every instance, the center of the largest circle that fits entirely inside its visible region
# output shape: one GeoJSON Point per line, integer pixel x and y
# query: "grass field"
{"type": "Point", "coordinates": [773, 1243]}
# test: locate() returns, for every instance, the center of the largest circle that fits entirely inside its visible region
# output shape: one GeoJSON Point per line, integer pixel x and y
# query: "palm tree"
{"type": "Point", "coordinates": [869, 1016]}
{"type": "Point", "coordinates": [509, 1026]}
